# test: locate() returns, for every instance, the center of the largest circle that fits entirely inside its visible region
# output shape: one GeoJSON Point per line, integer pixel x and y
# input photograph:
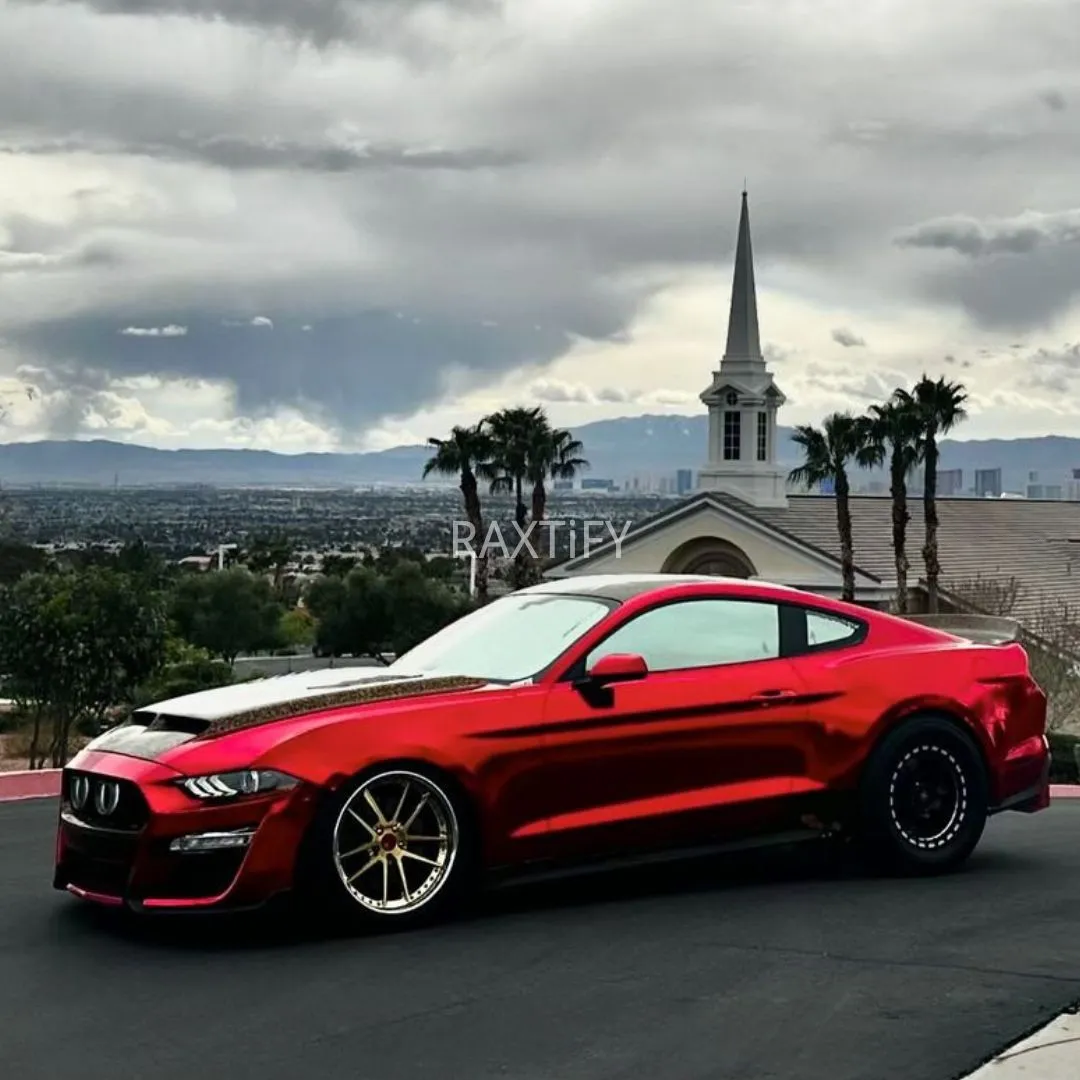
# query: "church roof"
{"type": "Point", "coordinates": [744, 339]}
{"type": "Point", "coordinates": [1035, 543]}
{"type": "Point", "coordinates": [984, 544]}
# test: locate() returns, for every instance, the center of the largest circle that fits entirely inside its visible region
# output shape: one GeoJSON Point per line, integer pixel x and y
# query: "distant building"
{"type": "Point", "coordinates": [563, 485]}
{"type": "Point", "coordinates": [950, 481]}
{"type": "Point", "coordinates": [595, 483]}
{"type": "Point", "coordinates": [988, 483]}
{"type": "Point", "coordinates": [684, 481]}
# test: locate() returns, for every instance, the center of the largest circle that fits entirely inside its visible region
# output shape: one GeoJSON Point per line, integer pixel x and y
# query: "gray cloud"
{"type": "Point", "coordinates": [237, 152]}
{"type": "Point", "coordinates": [318, 21]}
{"type": "Point", "coordinates": [346, 371]}
{"type": "Point", "coordinates": [848, 338]}
{"type": "Point", "coordinates": [1018, 235]}
{"type": "Point", "coordinates": [1054, 100]}
{"type": "Point", "coordinates": [1056, 371]}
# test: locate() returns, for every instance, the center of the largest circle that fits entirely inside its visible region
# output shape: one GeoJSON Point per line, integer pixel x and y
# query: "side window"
{"type": "Point", "coordinates": [698, 633]}
{"type": "Point", "coordinates": [822, 629]}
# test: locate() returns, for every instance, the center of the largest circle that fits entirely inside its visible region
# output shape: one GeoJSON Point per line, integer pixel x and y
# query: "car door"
{"type": "Point", "coordinates": [707, 744]}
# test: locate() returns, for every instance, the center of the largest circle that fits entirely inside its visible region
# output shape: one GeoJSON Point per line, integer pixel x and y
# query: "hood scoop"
{"type": "Point", "coordinates": [363, 692]}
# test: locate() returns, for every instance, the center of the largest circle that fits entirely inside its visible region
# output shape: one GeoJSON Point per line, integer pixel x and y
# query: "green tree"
{"type": "Point", "coordinates": [186, 669]}
{"type": "Point", "coordinates": [378, 615]}
{"type": "Point", "coordinates": [940, 406]}
{"type": "Point", "coordinates": [352, 613]}
{"type": "Point", "coordinates": [513, 431]}
{"type": "Point", "coordinates": [419, 605]}
{"type": "Point", "coordinates": [226, 612]}
{"type": "Point", "coordinates": [556, 455]}
{"type": "Point", "coordinates": [466, 454]}
{"type": "Point", "coordinates": [17, 559]}
{"type": "Point", "coordinates": [893, 433]}
{"type": "Point", "coordinates": [337, 565]}
{"type": "Point", "coordinates": [270, 554]}
{"type": "Point", "coordinates": [296, 627]}
{"type": "Point", "coordinates": [75, 645]}
{"type": "Point", "coordinates": [827, 453]}
{"type": "Point", "coordinates": [525, 449]}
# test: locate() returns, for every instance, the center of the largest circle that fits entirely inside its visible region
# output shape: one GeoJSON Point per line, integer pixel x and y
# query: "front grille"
{"type": "Point", "coordinates": [193, 875]}
{"type": "Point", "coordinates": [96, 875]}
{"type": "Point", "coordinates": [98, 860]}
{"type": "Point", "coordinates": [123, 807]}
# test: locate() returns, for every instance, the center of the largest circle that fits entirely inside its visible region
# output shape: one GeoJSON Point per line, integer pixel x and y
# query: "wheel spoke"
{"type": "Point", "coordinates": [365, 868]}
{"type": "Point", "coordinates": [385, 883]}
{"type": "Point", "coordinates": [401, 802]}
{"type": "Point", "coordinates": [416, 813]}
{"type": "Point", "coordinates": [413, 838]}
{"type": "Point", "coordinates": [419, 858]}
{"type": "Point", "coordinates": [354, 814]}
{"type": "Point", "coordinates": [404, 882]}
{"type": "Point", "coordinates": [355, 851]}
{"type": "Point", "coordinates": [370, 800]}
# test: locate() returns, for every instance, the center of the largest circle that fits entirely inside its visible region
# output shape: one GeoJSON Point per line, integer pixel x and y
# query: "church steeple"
{"type": "Point", "coordinates": [743, 337]}
{"type": "Point", "coordinates": [743, 400]}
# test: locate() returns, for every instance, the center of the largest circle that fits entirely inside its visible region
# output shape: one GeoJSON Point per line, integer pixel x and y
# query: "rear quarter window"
{"type": "Point", "coordinates": [822, 629]}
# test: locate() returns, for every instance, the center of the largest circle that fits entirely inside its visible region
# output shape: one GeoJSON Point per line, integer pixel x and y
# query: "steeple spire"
{"type": "Point", "coordinates": [743, 399]}
{"type": "Point", "coordinates": [743, 339]}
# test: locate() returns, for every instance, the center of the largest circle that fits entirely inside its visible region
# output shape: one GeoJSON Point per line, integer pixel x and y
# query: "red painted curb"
{"type": "Point", "coordinates": [29, 784]}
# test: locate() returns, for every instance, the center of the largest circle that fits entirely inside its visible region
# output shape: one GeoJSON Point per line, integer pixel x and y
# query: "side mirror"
{"type": "Point", "coordinates": [617, 668]}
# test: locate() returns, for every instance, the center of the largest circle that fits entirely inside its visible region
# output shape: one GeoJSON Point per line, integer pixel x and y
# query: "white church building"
{"type": "Point", "coordinates": [742, 521]}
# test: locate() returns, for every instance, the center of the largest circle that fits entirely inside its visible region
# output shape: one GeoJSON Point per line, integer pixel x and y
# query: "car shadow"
{"type": "Point", "coordinates": [282, 927]}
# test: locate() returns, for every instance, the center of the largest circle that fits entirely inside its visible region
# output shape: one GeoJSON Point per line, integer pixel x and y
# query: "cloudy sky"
{"type": "Point", "coordinates": [301, 224]}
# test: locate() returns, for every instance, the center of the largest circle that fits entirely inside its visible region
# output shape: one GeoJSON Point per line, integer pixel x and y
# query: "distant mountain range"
{"type": "Point", "coordinates": [618, 449]}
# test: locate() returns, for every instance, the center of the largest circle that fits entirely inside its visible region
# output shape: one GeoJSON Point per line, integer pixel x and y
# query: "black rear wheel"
{"type": "Point", "coordinates": [923, 797]}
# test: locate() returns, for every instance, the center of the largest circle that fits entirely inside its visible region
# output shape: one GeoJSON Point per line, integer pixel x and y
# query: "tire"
{"type": "Point", "coordinates": [902, 831]}
{"type": "Point", "coordinates": [414, 866]}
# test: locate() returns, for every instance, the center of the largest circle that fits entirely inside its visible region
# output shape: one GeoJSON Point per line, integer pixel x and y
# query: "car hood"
{"type": "Point", "coordinates": [155, 730]}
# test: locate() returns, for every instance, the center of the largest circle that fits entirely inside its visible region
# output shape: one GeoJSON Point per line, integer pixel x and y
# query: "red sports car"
{"type": "Point", "coordinates": [575, 724]}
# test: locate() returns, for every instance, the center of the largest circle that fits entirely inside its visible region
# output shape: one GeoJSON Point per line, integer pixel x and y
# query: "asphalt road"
{"type": "Point", "coordinates": [780, 967]}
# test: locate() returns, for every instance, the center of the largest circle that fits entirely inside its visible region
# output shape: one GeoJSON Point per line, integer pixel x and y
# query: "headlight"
{"type": "Point", "coordinates": [231, 785]}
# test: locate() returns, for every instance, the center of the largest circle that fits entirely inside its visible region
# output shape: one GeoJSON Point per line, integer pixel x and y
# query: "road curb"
{"type": "Point", "coordinates": [45, 784]}
{"type": "Point", "coordinates": [29, 784]}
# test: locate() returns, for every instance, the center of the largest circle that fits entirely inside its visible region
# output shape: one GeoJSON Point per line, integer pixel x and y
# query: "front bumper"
{"type": "Point", "coordinates": [126, 857]}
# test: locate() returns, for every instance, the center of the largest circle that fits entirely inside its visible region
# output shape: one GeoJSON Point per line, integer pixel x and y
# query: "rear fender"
{"type": "Point", "coordinates": [952, 711]}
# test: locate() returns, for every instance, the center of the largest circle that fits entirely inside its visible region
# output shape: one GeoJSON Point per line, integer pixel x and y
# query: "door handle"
{"type": "Point", "coordinates": [772, 695]}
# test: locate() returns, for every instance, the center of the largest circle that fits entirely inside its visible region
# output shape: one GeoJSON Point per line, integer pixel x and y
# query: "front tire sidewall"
{"type": "Point", "coordinates": [884, 841]}
{"type": "Point", "coordinates": [321, 887]}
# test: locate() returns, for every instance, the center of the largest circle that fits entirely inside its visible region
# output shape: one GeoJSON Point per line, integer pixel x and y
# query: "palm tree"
{"type": "Point", "coordinates": [940, 407]}
{"type": "Point", "coordinates": [513, 432]}
{"type": "Point", "coordinates": [555, 454]}
{"type": "Point", "coordinates": [827, 452]}
{"type": "Point", "coordinates": [552, 454]}
{"type": "Point", "coordinates": [893, 431]}
{"type": "Point", "coordinates": [466, 454]}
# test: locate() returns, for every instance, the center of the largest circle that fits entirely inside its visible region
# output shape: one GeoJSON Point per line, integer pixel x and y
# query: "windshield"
{"type": "Point", "coordinates": [511, 639]}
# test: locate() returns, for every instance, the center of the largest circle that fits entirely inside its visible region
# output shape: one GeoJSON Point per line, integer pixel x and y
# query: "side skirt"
{"type": "Point", "coordinates": [535, 873]}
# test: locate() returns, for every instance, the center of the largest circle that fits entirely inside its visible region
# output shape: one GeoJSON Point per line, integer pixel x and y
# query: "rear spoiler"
{"type": "Point", "coordinates": [978, 629]}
